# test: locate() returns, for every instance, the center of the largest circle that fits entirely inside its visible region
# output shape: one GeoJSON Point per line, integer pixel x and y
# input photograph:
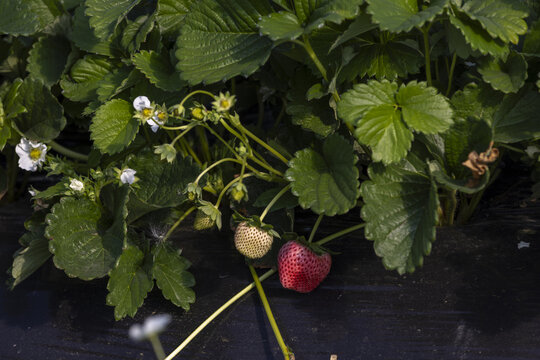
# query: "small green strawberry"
{"type": "Point", "coordinates": [202, 221]}
{"type": "Point", "coordinates": [252, 241]}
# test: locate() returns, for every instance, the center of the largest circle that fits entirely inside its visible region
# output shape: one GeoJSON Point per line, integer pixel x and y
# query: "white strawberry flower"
{"type": "Point", "coordinates": [128, 176]}
{"type": "Point", "coordinates": [224, 102]}
{"type": "Point", "coordinates": [157, 120]}
{"type": "Point", "coordinates": [31, 154]}
{"type": "Point", "coordinates": [152, 326]}
{"type": "Point", "coordinates": [76, 185]}
{"type": "Point", "coordinates": [141, 102]}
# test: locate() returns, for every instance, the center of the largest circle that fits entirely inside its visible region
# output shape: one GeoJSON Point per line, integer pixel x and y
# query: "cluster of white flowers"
{"type": "Point", "coordinates": [144, 106]}
{"type": "Point", "coordinates": [152, 326]}
{"type": "Point", "coordinates": [31, 154]}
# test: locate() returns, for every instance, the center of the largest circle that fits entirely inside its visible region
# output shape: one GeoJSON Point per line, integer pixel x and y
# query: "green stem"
{"type": "Point", "coordinates": [451, 74]}
{"type": "Point", "coordinates": [220, 197]}
{"type": "Point", "coordinates": [450, 208]}
{"type": "Point", "coordinates": [425, 31]}
{"type": "Point", "coordinates": [190, 151]}
{"type": "Point", "coordinates": [171, 230]}
{"type": "Point", "coordinates": [232, 131]}
{"type": "Point", "coordinates": [190, 126]}
{"type": "Point", "coordinates": [158, 348]}
{"type": "Point", "coordinates": [315, 227]}
{"type": "Point", "coordinates": [340, 233]}
{"type": "Point", "coordinates": [201, 134]}
{"type": "Point", "coordinates": [67, 152]}
{"type": "Point", "coordinates": [216, 313]}
{"type": "Point", "coordinates": [284, 349]}
{"type": "Point", "coordinates": [182, 127]}
{"type": "Point", "coordinates": [195, 93]}
{"type": "Point", "coordinates": [264, 145]}
{"type": "Point", "coordinates": [274, 200]}
{"type": "Point", "coordinates": [213, 166]}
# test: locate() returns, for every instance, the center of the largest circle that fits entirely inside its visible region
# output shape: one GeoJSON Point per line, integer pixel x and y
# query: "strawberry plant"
{"type": "Point", "coordinates": [147, 114]}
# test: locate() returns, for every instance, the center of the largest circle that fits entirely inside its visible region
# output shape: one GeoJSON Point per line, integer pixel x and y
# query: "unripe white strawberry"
{"type": "Point", "coordinates": [251, 241]}
{"type": "Point", "coordinates": [202, 221]}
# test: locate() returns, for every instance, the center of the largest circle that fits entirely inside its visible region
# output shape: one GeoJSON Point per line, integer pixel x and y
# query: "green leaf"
{"type": "Point", "coordinates": [466, 135]}
{"type": "Point", "coordinates": [233, 25]}
{"type": "Point", "coordinates": [334, 11]}
{"type": "Point", "coordinates": [27, 260]}
{"type": "Point", "coordinates": [115, 82]}
{"type": "Point", "coordinates": [400, 212]}
{"type": "Point", "coordinates": [136, 31]}
{"type": "Point", "coordinates": [461, 185]}
{"type": "Point", "coordinates": [360, 25]}
{"type": "Point", "coordinates": [162, 184]}
{"type": "Point", "coordinates": [403, 15]}
{"type": "Point", "coordinates": [517, 118]}
{"type": "Point", "coordinates": [52, 191]}
{"type": "Point", "coordinates": [327, 182]}
{"type": "Point", "coordinates": [478, 38]}
{"type": "Point", "coordinates": [79, 239]}
{"type": "Point", "coordinates": [170, 15]}
{"type": "Point", "coordinates": [507, 76]}
{"type": "Point", "coordinates": [503, 19]}
{"type": "Point", "coordinates": [388, 60]}
{"type": "Point", "coordinates": [384, 119]}
{"type": "Point", "coordinates": [113, 127]}
{"type": "Point", "coordinates": [24, 17]}
{"type": "Point", "coordinates": [476, 101]}
{"type": "Point", "coordinates": [48, 58]}
{"type": "Point", "coordinates": [281, 25]}
{"type": "Point", "coordinates": [85, 77]}
{"type": "Point", "coordinates": [44, 118]}
{"type": "Point", "coordinates": [423, 109]}
{"type": "Point", "coordinates": [531, 44]}
{"type": "Point", "coordinates": [129, 283]}
{"type": "Point", "coordinates": [172, 277]}
{"type": "Point", "coordinates": [83, 35]}
{"type": "Point", "coordinates": [105, 15]}
{"type": "Point", "coordinates": [158, 70]}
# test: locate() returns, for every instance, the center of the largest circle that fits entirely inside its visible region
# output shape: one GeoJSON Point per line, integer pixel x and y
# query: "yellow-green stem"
{"type": "Point", "coordinates": [201, 134]}
{"type": "Point", "coordinates": [315, 227]}
{"type": "Point", "coordinates": [213, 166]}
{"type": "Point", "coordinates": [158, 348]}
{"type": "Point", "coordinates": [171, 230]}
{"type": "Point", "coordinates": [264, 145]}
{"type": "Point", "coordinates": [195, 93]}
{"type": "Point", "coordinates": [190, 126]}
{"type": "Point", "coordinates": [68, 152]}
{"type": "Point", "coordinates": [190, 151]}
{"type": "Point", "coordinates": [451, 74]}
{"type": "Point", "coordinates": [218, 202]}
{"type": "Point", "coordinates": [216, 313]}
{"type": "Point", "coordinates": [274, 200]}
{"type": "Point", "coordinates": [425, 31]}
{"type": "Point", "coordinates": [340, 233]}
{"type": "Point", "coordinates": [284, 349]}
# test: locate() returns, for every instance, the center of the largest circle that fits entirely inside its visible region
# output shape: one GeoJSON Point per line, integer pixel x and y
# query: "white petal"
{"type": "Point", "coordinates": [26, 163]}
{"type": "Point", "coordinates": [128, 176]}
{"type": "Point", "coordinates": [523, 244]}
{"type": "Point", "coordinates": [141, 102]}
{"type": "Point", "coordinates": [76, 185]}
{"type": "Point", "coordinates": [156, 324]}
{"type": "Point", "coordinates": [154, 128]}
{"type": "Point", "coordinates": [136, 332]}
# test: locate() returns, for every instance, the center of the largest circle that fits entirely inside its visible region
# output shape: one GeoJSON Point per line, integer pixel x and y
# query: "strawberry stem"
{"type": "Point", "coordinates": [284, 349]}
{"type": "Point", "coordinates": [171, 230]}
{"type": "Point", "coordinates": [216, 313]}
{"type": "Point", "coordinates": [315, 227]}
{"type": "Point", "coordinates": [340, 233]}
{"type": "Point", "coordinates": [274, 200]}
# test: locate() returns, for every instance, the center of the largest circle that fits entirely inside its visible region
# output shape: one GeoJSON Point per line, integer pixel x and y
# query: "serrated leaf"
{"type": "Point", "coordinates": [48, 58]}
{"type": "Point", "coordinates": [466, 135]}
{"type": "Point", "coordinates": [161, 183]}
{"type": "Point", "coordinates": [478, 38]}
{"type": "Point", "coordinates": [172, 277]}
{"type": "Point", "coordinates": [281, 25]}
{"type": "Point", "coordinates": [518, 117]}
{"type": "Point", "coordinates": [476, 101]}
{"type": "Point", "coordinates": [115, 82]}
{"type": "Point", "coordinates": [158, 70]}
{"type": "Point", "coordinates": [129, 283]}
{"type": "Point", "coordinates": [81, 245]}
{"type": "Point", "coordinates": [501, 18]}
{"type": "Point", "coordinates": [423, 109]}
{"type": "Point", "coordinates": [113, 127]}
{"type": "Point", "coordinates": [461, 185]}
{"type": "Point", "coordinates": [44, 116]}
{"type": "Point", "coordinates": [83, 35]}
{"type": "Point", "coordinates": [24, 17]}
{"type": "Point", "coordinates": [388, 60]}
{"type": "Point", "coordinates": [360, 25]}
{"type": "Point", "coordinates": [384, 119]}
{"type": "Point", "coordinates": [27, 260]}
{"type": "Point", "coordinates": [85, 77]}
{"type": "Point", "coordinates": [403, 15]}
{"type": "Point", "coordinates": [233, 25]}
{"type": "Point", "coordinates": [507, 76]}
{"type": "Point", "coordinates": [327, 182]}
{"type": "Point", "coordinates": [105, 15]}
{"type": "Point", "coordinates": [400, 212]}
{"type": "Point", "coordinates": [334, 11]}
{"type": "Point", "coordinates": [170, 15]}
{"type": "Point", "coordinates": [136, 31]}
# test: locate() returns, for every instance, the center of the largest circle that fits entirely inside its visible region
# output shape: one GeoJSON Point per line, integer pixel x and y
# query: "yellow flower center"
{"type": "Point", "coordinates": [197, 114]}
{"type": "Point", "coordinates": [147, 112]}
{"type": "Point", "coordinates": [161, 115]}
{"type": "Point", "coordinates": [225, 104]}
{"type": "Point", "coordinates": [35, 154]}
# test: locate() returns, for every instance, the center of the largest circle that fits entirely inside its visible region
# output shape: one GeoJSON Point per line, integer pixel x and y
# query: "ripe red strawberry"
{"type": "Point", "coordinates": [301, 269]}
{"type": "Point", "coordinates": [252, 241]}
